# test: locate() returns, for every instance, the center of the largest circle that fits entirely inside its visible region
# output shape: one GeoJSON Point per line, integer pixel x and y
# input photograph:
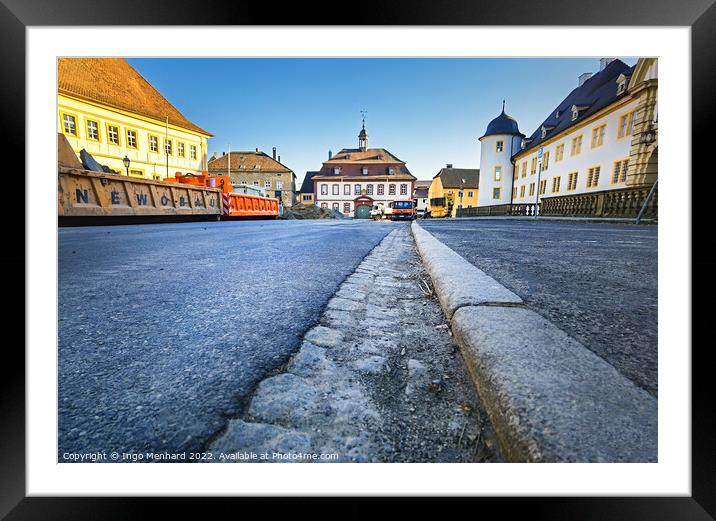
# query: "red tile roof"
{"type": "Point", "coordinates": [247, 162]}
{"type": "Point", "coordinates": [115, 83]}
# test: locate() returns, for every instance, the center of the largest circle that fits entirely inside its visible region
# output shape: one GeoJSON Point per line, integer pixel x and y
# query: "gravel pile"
{"type": "Point", "coordinates": [303, 211]}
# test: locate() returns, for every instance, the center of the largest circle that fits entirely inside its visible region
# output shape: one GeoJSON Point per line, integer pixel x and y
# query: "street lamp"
{"type": "Point", "coordinates": [126, 164]}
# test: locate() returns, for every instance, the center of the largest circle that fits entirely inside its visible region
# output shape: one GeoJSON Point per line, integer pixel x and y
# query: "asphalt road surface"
{"type": "Point", "coordinates": [164, 329]}
{"type": "Point", "coordinates": [596, 281]}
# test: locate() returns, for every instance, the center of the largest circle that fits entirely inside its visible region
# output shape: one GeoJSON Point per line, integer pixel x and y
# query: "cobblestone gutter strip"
{"type": "Point", "coordinates": [378, 380]}
{"type": "Point", "coordinates": [549, 398]}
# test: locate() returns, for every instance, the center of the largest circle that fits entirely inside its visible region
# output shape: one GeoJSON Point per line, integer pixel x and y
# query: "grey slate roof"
{"type": "Point", "coordinates": [502, 124]}
{"type": "Point", "coordinates": [596, 93]}
{"type": "Point", "coordinates": [452, 177]}
{"type": "Point", "coordinates": [307, 185]}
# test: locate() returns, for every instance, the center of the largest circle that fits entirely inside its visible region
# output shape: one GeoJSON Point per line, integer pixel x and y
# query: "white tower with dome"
{"type": "Point", "coordinates": [501, 141]}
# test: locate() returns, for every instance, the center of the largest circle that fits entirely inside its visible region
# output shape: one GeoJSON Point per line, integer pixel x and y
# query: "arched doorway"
{"type": "Point", "coordinates": [362, 205]}
{"type": "Point", "coordinates": [362, 211]}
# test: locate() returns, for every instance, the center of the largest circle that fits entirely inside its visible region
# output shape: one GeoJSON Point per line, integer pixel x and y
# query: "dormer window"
{"type": "Point", "coordinates": [575, 113]}
{"type": "Point", "coordinates": [622, 82]}
{"type": "Point", "coordinates": [257, 167]}
{"type": "Point", "coordinates": [337, 171]}
{"type": "Point", "coordinates": [545, 129]}
{"type": "Point", "coordinates": [364, 170]}
{"type": "Point", "coordinates": [557, 114]}
{"type": "Point", "coordinates": [391, 170]}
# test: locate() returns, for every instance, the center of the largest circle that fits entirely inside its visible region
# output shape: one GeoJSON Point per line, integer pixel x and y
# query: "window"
{"type": "Point", "coordinates": [69, 125]}
{"type": "Point", "coordinates": [576, 146]}
{"type": "Point", "coordinates": [593, 176]}
{"type": "Point", "coordinates": [572, 181]}
{"type": "Point", "coordinates": [391, 189]}
{"type": "Point", "coordinates": [532, 188]}
{"type": "Point", "coordinates": [559, 153]}
{"type": "Point", "coordinates": [243, 182]}
{"type": "Point", "coordinates": [346, 189]}
{"type": "Point", "coordinates": [533, 166]}
{"type": "Point", "coordinates": [180, 149]}
{"type": "Point", "coordinates": [545, 161]}
{"type": "Point", "coordinates": [113, 134]}
{"type": "Point", "coordinates": [542, 186]}
{"type": "Point", "coordinates": [403, 189]}
{"type": "Point", "coordinates": [168, 147]}
{"type": "Point", "coordinates": [620, 171]}
{"type": "Point", "coordinates": [335, 206]}
{"type": "Point", "coordinates": [626, 124]}
{"type": "Point", "coordinates": [136, 173]}
{"type": "Point", "coordinates": [555, 184]}
{"type": "Point", "coordinates": [192, 151]}
{"type": "Point", "coordinates": [256, 183]}
{"type": "Point", "coordinates": [499, 146]}
{"type": "Point", "coordinates": [131, 138]}
{"type": "Point", "coordinates": [356, 190]}
{"type": "Point", "coordinates": [391, 170]}
{"type": "Point", "coordinates": [154, 144]}
{"type": "Point", "coordinates": [346, 207]}
{"type": "Point", "coordinates": [267, 184]}
{"type": "Point", "coordinates": [381, 189]}
{"type": "Point", "coordinates": [306, 197]}
{"type": "Point", "coordinates": [92, 130]}
{"type": "Point", "coordinates": [498, 173]}
{"type": "Point", "coordinates": [524, 169]}
{"type": "Point", "coordinates": [324, 189]}
{"type": "Point", "coordinates": [469, 194]}
{"type": "Point", "coordinates": [336, 189]}
{"type": "Point", "coordinates": [522, 191]}
{"type": "Point", "coordinates": [621, 86]}
{"type": "Point", "coordinates": [279, 185]}
{"type": "Point", "coordinates": [514, 193]}
{"type": "Point", "coordinates": [598, 135]}
{"type": "Point", "coordinates": [496, 192]}
{"type": "Point", "coordinates": [337, 171]}
{"type": "Point", "coordinates": [369, 189]}
{"type": "Point", "coordinates": [575, 114]}
{"type": "Point", "coordinates": [364, 171]}
{"type": "Point", "coordinates": [324, 205]}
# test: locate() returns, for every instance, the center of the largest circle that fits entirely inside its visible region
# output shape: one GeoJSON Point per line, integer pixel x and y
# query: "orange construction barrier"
{"type": "Point", "coordinates": [234, 205]}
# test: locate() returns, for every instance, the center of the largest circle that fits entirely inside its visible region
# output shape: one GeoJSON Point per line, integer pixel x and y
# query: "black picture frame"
{"type": "Point", "coordinates": [700, 15]}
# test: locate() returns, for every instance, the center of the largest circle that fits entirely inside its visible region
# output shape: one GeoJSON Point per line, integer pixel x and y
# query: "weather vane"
{"type": "Point", "coordinates": [363, 113]}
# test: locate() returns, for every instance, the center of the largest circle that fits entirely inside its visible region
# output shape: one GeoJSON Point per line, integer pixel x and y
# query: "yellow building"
{"type": "Point", "coordinates": [453, 188]}
{"type": "Point", "coordinates": [107, 108]}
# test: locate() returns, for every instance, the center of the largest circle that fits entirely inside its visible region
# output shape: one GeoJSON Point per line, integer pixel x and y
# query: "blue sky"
{"type": "Point", "coordinates": [427, 112]}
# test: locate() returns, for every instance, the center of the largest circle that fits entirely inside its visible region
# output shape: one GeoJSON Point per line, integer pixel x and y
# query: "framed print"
{"type": "Point", "coordinates": [423, 249]}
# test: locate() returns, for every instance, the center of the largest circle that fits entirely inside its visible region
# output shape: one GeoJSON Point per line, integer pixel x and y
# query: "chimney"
{"type": "Point", "coordinates": [604, 62]}
{"type": "Point", "coordinates": [584, 77]}
{"type": "Point", "coordinates": [257, 149]}
{"type": "Point", "coordinates": [449, 165]}
{"type": "Point", "coordinates": [223, 153]}
{"type": "Point", "coordinates": [274, 153]}
{"type": "Point", "coordinates": [330, 154]}
{"type": "Point", "coordinates": [279, 159]}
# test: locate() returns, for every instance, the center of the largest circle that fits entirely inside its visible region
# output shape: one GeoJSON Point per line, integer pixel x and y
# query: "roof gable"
{"type": "Point", "coordinates": [115, 83]}
{"type": "Point", "coordinates": [453, 177]}
{"type": "Point", "coordinates": [246, 162]}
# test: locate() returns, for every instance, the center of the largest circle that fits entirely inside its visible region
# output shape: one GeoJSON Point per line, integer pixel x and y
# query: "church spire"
{"type": "Point", "coordinates": [363, 135]}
